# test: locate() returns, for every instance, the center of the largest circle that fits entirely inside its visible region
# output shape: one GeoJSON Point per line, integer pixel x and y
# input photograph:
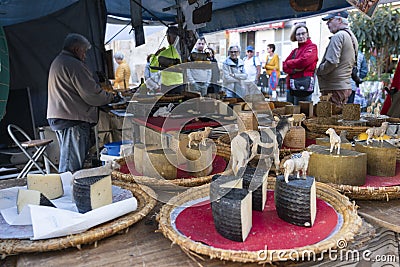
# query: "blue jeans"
{"type": "Point", "coordinates": [74, 145]}
{"type": "Point", "coordinates": [295, 99]}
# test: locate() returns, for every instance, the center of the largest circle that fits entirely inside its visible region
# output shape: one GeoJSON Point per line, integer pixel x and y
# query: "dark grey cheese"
{"type": "Point", "coordinates": [92, 192]}
{"type": "Point", "coordinates": [296, 201]}
{"type": "Point", "coordinates": [255, 180]}
{"type": "Point", "coordinates": [231, 207]}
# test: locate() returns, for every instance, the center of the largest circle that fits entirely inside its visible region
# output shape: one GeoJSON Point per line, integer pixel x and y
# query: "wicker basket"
{"type": "Point", "coordinates": [146, 202]}
{"type": "Point", "coordinates": [151, 181]}
{"type": "Point", "coordinates": [351, 225]}
{"type": "Point", "coordinates": [369, 193]}
{"type": "Point", "coordinates": [312, 125]}
{"type": "Point", "coordinates": [224, 148]}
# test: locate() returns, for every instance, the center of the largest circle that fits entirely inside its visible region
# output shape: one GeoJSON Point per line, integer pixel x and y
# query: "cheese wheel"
{"type": "Point", "coordinates": [32, 197]}
{"type": "Point", "coordinates": [49, 185]}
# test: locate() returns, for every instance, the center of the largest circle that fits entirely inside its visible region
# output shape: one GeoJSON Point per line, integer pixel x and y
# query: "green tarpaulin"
{"type": "Point", "coordinates": [4, 73]}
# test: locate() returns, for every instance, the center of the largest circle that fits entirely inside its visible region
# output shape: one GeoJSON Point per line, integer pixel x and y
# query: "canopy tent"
{"type": "Point", "coordinates": [35, 31]}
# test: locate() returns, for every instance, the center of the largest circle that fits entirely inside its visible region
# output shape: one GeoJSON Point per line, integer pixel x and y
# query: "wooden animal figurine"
{"type": "Point", "coordinates": [298, 118]}
{"type": "Point", "coordinates": [377, 110]}
{"type": "Point", "coordinates": [245, 146]}
{"type": "Point", "coordinates": [334, 139]}
{"type": "Point", "coordinates": [164, 111]}
{"type": "Point", "coordinates": [325, 97]}
{"type": "Point", "coordinates": [378, 132]}
{"type": "Point", "coordinates": [199, 136]}
{"type": "Point", "coordinates": [298, 162]}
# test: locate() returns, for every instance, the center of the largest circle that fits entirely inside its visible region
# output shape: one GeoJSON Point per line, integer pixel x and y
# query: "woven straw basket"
{"type": "Point", "coordinates": [223, 144]}
{"type": "Point", "coordinates": [146, 202]}
{"type": "Point", "coordinates": [351, 225]}
{"type": "Point", "coordinates": [369, 193]}
{"type": "Point", "coordinates": [313, 126]}
{"type": "Point", "coordinates": [150, 181]}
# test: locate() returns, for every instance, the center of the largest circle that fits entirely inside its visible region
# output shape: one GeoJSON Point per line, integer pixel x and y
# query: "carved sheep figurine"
{"type": "Point", "coordinates": [334, 139]}
{"type": "Point", "coordinates": [199, 136]}
{"type": "Point", "coordinates": [298, 162]}
{"type": "Point", "coordinates": [164, 111]}
{"type": "Point", "coordinates": [378, 132]}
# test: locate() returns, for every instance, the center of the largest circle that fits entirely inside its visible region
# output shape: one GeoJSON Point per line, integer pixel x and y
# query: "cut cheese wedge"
{"type": "Point", "coordinates": [32, 197]}
{"type": "Point", "coordinates": [92, 192]}
{"type": "Point", "coordinates": [49, 185]}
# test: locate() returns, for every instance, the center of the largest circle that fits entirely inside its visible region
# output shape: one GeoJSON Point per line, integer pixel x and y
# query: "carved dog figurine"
{"type": "Point", "coordinates": [298, 118]}
{"type": "Point", "coordinates": [325, 97]}
{"type": "Point", "coordinates": [377, 131]}
{"type": "Point", "coordinates": [334, 139]}
{"type": "Point", "coordinates": [298, 162]}
{"type": "Point", "coordinates": [199, 136]}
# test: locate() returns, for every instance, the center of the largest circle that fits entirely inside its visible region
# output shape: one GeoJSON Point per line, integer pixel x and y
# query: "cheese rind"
{"type": "Point", "coordinates": [92, 192]}
{"type": "Point", "coordinates": [32, 197]}
{"type": "Point", "coordinates": [49, 185]}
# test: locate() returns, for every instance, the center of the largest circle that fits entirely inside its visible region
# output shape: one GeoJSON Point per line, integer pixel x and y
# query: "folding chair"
{"type": "Point", "coordinates": [24, 142]}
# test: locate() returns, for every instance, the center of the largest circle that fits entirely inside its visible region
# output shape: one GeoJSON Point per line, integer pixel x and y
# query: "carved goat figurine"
{"type": "Point", "coordinates": [199, 136]}
{"type": "Point", "coordinates": [378, 132]}
{"type": "Point", "coordinates": [334, 139]}
{"type": "Point", "coordinates": [265, 143]}
{"type": "Point", "coordinates": [297, 163]}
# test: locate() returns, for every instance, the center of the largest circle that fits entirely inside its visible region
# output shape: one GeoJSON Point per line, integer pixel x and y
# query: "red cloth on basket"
{"type": "Point", "coordinates": [268, 231]}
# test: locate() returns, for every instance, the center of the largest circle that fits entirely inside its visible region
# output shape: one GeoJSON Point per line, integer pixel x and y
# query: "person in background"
{"type": "Point", "coordinates": [73, 98]}
{"type": "Point", "coordinates": [199, 78]}
{"type": "Point", "coordinates": [301, 62]}
{"type": "Point", "coordinates": [334, 72]}
{"type": "Point", "coordinates": [272, 63]}
{"type": "Point", "coordinates": [233, 73]}
{"type": "Point", "coordinates": [213, 88]}
{"type": "Point", "coordinates": [123, 72]}
{"type": "Point", "coordinates": [362, 73]}
{"type": "Point", "coordinates": [147, 71]}
{"type": "Point", "coordinates": [171, 81]}
{"type": "Point", "coordinates": [391, 106]}
{"type": "Point", "coordinates": [151, 77]}
{"type": "Point", "coordinates": [252, 65]}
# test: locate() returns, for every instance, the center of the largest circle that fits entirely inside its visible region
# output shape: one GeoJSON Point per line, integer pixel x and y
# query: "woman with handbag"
{"type": "Point", "coordinates": [300, 66]}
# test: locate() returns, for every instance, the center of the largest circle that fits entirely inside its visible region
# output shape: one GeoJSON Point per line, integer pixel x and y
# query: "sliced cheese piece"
{"type": "Point", "coordinates": [295, 201]}
{"type": "Point", "coordinates": [32, 197]}
{"type": "Point", "coordinates": [92, 192]}
{"type": "Point", "coordinates": [232, 214]}
{"type": "Point", "coordinates": [255, 180]}
{"type": "Point", "coordinates": [49, 185]}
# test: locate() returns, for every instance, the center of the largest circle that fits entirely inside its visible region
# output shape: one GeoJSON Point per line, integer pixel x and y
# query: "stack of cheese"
{"type": "Point", "coordinates": [41, 188]}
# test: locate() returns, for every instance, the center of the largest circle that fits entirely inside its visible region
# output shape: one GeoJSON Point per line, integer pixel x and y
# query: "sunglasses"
{"type": "Point", "coordinates": [233, 52]}
{"type": "Point", "coordinates": [249, 51]}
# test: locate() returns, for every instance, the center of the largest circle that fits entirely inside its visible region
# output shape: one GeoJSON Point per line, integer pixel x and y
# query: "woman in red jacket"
{"type": "Point", "coordinates": [391, 106]}
{"type": "Point", "coordinates": [301, 62]}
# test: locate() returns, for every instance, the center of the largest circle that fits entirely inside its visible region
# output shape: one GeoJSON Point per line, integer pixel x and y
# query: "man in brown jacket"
{"type": "Point", "coordinates": [73, 98]}
{"type": "Point", "coordinates": [334, 72]}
